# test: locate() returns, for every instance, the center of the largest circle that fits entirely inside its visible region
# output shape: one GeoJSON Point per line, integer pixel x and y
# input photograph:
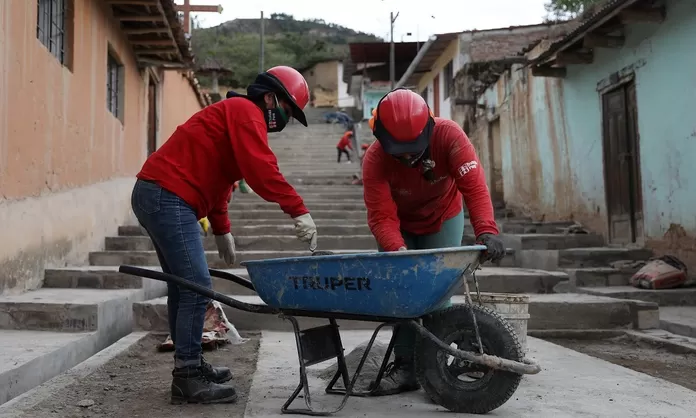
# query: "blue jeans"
{"type": "Point", "coordinates": [173, 227]}
{"type": "Point", "coordinates": [450, 235]}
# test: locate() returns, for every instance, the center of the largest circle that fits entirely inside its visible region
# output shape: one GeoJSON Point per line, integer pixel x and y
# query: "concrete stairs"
{"type": "Point", "coordinates": [83, 309]}
{"type": "Point", "coordinates": [74, 315]}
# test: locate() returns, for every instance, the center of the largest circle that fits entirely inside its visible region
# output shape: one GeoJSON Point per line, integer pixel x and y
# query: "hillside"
{"type": "Point", "coordinates": [298, 43]}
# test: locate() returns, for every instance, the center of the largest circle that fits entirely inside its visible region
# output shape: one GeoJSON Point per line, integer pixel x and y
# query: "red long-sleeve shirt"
{"type": "Point", "coordinates": [399, 198]}
{"type": "Point", "coordinates": [217, 146]}
{"type": "Point", "coordinates": [345, 142]}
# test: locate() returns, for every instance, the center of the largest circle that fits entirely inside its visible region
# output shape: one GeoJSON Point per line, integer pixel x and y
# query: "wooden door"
{"type": "Point", "coordinates": [622, 165]}
{"type": "Point", "coordinates": [151, 116]}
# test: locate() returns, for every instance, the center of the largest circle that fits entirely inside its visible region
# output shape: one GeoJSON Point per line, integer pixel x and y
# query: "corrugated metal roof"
{"type": "Point", "coordinates": [607, 10]}
{"type": "Point", "coordinates": [373, 52]}
{"type": "Point", "coordinates": [441, 42]}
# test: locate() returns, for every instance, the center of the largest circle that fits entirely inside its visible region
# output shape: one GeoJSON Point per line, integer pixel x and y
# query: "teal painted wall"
{"type": "Point", "coordinates": [551, 129]}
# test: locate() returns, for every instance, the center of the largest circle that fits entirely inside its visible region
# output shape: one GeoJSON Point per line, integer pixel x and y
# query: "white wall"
{"type": "Point", "coordinates": [344, 99]}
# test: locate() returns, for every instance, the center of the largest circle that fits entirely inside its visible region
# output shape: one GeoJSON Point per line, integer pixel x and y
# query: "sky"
{"type": "Point", "coordinates": [420, 19]}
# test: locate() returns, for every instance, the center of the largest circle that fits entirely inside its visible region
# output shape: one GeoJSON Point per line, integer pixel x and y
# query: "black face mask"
{"type": "Point", "coordinates": [276, 118]}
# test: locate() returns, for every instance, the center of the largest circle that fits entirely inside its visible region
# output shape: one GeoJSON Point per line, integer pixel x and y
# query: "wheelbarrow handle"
{"type": "Point", "coordinates": [232, 278]}
{"type": "Point", "coordinates": [201, 290]}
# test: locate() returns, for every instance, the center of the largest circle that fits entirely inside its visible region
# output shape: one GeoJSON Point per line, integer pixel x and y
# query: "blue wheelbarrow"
{"type": "Point", "coordinates": [404, 289]}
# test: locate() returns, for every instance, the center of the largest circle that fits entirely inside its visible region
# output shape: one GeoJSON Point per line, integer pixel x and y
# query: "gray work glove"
{"type": "Point", "coordinates": [306, 230]}
{"type": "Point", "coordinates": [225, 246]}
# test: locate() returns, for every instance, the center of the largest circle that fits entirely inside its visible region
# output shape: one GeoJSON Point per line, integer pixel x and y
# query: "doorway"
{"type": "Point", "coordinates": [622, 180]}
{"type": "Point", "coordinates": [152, 116]}
{"type": "Point", "coordinates": [436, 96]}
{"type": "Point", "coordinates": [495, 163]}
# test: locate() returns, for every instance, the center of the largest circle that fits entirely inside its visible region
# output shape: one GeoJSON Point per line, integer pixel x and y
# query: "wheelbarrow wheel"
{"type": "Point", "coordinates": [458, 385]}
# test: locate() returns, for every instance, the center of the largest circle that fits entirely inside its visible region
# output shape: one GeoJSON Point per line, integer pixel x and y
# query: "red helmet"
{"type": "Point", "coordinates": [295, 87]}
{"type": "Point", "coordinates": [403, 122]}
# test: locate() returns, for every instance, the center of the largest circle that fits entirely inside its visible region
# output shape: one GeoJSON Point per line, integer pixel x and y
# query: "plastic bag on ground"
{"type": "Point", "coordinates": [217, 330]}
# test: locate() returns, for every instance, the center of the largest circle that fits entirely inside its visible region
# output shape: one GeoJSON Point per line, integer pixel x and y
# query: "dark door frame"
{"type": "Point", "coordinates": [152, 136]}
{"type": "Point", "coordinates": [634, 176]}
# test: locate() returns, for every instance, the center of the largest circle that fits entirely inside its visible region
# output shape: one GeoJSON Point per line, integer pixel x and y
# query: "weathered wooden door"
{"type": "Point", "coordinates": [495, 163]}
{"type": "Point", "coordinates": [151, 116]}
{"type": "Point", "coordinates": [622, 165]}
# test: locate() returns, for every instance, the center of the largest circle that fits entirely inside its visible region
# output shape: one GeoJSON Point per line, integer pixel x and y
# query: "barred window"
{"type": "Point", "coordinates": [51, 25]}
{"type": "Point", "coordinates": [114, 85]}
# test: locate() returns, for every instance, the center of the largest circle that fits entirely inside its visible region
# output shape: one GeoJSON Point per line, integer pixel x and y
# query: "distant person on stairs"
{"type": "Point", "coordinates": [344, 145]}
{"type": "Point", "coordinates": [191, 177]}
{"type": "Point", "coordinates": [414, 177]}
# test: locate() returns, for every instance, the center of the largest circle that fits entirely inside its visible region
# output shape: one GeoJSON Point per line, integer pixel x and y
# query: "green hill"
{"type": "Point", "coordinates": [298, 43]}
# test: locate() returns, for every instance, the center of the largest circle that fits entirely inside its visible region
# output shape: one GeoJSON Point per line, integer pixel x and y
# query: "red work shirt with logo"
{"type": "Point", "coordinates": [398, 197]}
{"type": "Point", "coordinates": [345, 141]}
{"type": "Point", "coordinates": [219, 145]}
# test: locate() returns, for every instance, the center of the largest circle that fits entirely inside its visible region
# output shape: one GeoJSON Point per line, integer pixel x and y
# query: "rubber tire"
{"type": "Point", "coordinates": [499, 338]}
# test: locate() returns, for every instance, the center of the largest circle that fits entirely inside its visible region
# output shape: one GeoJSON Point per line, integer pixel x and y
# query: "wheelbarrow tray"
{"type": "Point", "coordinates": [399, 284]}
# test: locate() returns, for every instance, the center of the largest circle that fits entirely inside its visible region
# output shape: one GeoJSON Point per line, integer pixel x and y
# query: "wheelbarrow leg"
{"type": "Point", "coordinates": [316, 345]}
{"type": "Point", "coordinates": [334, 391]}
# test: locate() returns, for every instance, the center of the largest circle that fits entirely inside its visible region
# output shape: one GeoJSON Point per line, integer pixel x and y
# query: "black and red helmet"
{"type": "Point", "coordinates": [402, 122]}
{"type": "Point", "coordinates": [290, 85]}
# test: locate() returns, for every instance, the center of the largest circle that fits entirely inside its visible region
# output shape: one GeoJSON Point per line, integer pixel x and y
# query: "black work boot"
{"type": "Point", "coordinates": [399, 377]}
{"type": "Point", "coordinates": [191, 385]}
{"type": "Point", "coordinates": [215, 374]}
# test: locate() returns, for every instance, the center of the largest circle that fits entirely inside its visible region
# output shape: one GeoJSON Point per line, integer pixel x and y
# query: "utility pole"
{"type": "Point", "coordinates": [392, 59]}
{"type": "Point", "coordinates": [261, 48]}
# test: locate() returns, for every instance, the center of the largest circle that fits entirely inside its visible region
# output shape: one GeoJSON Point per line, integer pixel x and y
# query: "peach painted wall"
{"type": "Point", "coordinates": [67, 165]}
{"type": "Point", "coordinates": [179, 104]}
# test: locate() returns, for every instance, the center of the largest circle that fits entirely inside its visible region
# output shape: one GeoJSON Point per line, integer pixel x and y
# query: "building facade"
{"type": "Point", "coordinates": [87, 91]}
{"type": "Point", "coordinates": [598, 127]}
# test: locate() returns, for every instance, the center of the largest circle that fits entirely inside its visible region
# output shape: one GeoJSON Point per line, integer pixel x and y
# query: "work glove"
{"type": "Point", "coordinates": [306, 230]}
{"type": "Point", "coordinates": [495, 249]}
{"type": "Point", "coordinates": [205, 225]}
{"type": "Point", "coordinates": [225, 246]}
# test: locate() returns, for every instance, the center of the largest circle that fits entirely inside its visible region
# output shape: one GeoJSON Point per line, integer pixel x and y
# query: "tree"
{"type": "Point", "coordinates": [567, 9]}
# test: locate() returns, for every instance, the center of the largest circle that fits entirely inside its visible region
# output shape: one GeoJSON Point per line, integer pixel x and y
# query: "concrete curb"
{"type": "Point", "coordinates": [18, 406]}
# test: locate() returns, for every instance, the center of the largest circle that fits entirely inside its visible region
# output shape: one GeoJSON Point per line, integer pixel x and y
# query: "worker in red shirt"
{"type": "Point", "coordinates": [414, 177]}
{"type": "Point", "coordinates": [191, 177]}
{"type": "Point", "coordinates": [344, 145]}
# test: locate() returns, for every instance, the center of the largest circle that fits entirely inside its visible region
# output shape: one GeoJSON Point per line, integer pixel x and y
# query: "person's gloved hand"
{"type": "Point", "coordinates": [402, 249]}
{"type": "Point", "coordinates": [225, 246]}
{"type": "Point", "coordinates": [495, 249]}
{"type": "Point", "coordinates": [205, 225]}
{"type": "Point", "coordinates": [306, 230]}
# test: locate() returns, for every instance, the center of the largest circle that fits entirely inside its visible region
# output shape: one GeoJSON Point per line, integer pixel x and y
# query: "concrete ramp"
{"type": "Point", "coordinates": [571, 384]}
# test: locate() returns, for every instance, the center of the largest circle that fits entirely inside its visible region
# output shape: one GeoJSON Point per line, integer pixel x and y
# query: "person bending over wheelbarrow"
{"type": "Point", "coordinates": [190, 177]}
{"type": "Point", "coordinates": [414, 177]}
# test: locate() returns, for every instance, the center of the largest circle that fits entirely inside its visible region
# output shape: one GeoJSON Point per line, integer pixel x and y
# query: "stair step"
{"type": "Point", "coordinates": [528, 227]}
{"type": "Point", "coordinates": [550, 311]}
{"type": "Point", "coordinates": [664, 297]}
{"type": "Point", "coordinates": [149, 258]}
{"type": "Point", "coordinates": [30, 358]}
{"type": "Point", "coordinates": [599, 256]}
{"type": "Point", "coordinates": [276, 228]}
{"type": "Point", "coordinates": [599, 276]}
{"type": "Point", "coordinates": [69, 310]}
{"type": "Point", "coordinates": [327, 204]}
{"type": "Point", "coordinates": [544, 241]}
{"type": "Point", "coordinates": [491, 279]}
{"type": "Point", "coordinates": [253, 243]}
{"type": "Point", "coordinates": [356, 215]}
{"type": "Point", "coordinates": [680, 320]}
{"type": "Point", "coordinates": [101, 277]}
